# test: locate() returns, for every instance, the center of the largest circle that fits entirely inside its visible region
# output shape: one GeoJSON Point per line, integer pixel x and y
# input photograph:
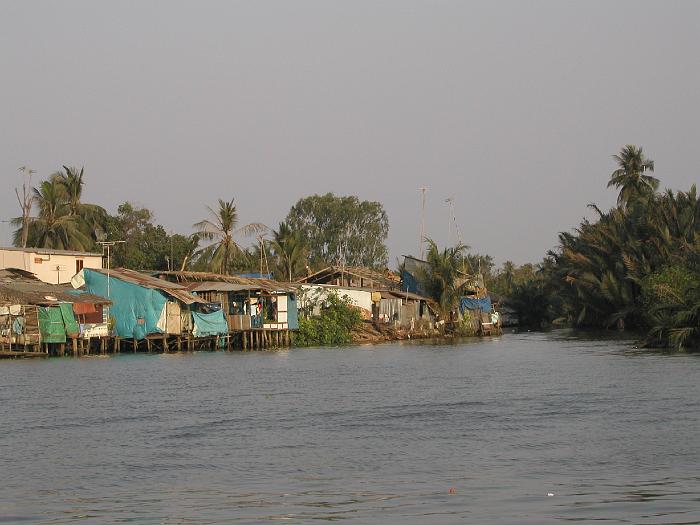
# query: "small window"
{"type": "Point", "coordinates": [78, 265]}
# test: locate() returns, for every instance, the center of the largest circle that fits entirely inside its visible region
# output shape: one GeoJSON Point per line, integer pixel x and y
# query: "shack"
{"type": "Point", "coordinates": [40, 316]}
{"type": "Point", "coordinates": [354, 277]}
{"type": "Point", "coordinates": [247, 302]}
{"type": "Point", "coordinates": [388, 306]}
{"type": "Point", "coordinates": [145, 307]}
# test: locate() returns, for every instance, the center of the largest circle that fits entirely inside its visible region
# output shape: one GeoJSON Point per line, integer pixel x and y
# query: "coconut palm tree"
{"type": "Point", "coordinates": [92, 218]}
{"type": "Point", "coordinates": [442, 275]}
{"type": "Point", "coordinates": [222, 227]}
{"type": "Point", "coordinates": [290, 252]}
{"type": "Point", "coordinates": [54, 227]}
{"type": "Point", "coordinates": [630, 176]}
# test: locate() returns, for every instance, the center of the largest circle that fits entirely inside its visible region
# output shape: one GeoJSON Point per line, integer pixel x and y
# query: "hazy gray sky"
{"type": "Point", "coordinates": [512, 108]}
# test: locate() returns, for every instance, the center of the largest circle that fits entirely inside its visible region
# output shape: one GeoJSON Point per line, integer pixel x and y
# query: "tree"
{"type": "Point", "coordinates": [442, 276]}
{"type": "Point", "coordinates": [289, 251]}
{"type": "Point", "coordinates": [341, 230]}
{"type": "Point", "coordinates": [630, 176]}
{"type": "Point", "coordinates": [148, 246]}
{"type": "Point", "coordinates": [53, 227]}
{"type": "Point", "coordinates": [91, 218]}
{"type": "Point", "coordinates": [26, 203]}
{"type": "Point", "coordinates": [221, 228]}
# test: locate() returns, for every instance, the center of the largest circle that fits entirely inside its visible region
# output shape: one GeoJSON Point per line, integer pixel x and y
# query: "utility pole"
{"type": "Point", "coordinates": [450, 219]}
{"type": "Point", "coordinates": [108, 245]}
{"type": "Point", "coordinates": [421, 239]}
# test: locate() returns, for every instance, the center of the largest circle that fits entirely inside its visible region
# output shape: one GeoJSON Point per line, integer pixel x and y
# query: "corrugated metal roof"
{"type": "Point", "coordinates": [48, 251]}
{"type": "Point", "coordinates": [21, 287]}
{"type": "Point", "coordinates": [141, 279]}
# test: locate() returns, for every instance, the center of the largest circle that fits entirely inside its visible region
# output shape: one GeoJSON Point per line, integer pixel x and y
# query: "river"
{"type": "Point", "coordinates": [524, 429]}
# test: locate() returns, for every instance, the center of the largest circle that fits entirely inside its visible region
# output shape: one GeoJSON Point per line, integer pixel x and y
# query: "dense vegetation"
{"type": "Point", "coordinates": [341, 230]}
{"type": "Point", "coordinates": [318, 231]}
{"type": "Point", "coordinates": [634, 266]}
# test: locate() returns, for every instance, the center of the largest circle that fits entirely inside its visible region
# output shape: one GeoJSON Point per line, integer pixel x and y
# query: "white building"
{"type": "Point", "coordinates": [50, 266]}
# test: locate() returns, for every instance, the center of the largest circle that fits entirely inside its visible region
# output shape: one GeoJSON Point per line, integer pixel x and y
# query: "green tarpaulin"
{"type": "Point", "coordinates": [51, 325]}
{"type": "Point", "coordinates": [71, 325]}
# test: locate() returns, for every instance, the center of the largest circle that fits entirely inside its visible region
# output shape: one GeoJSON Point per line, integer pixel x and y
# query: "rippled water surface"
{"type": "Point", "coordinates": [528, 428]}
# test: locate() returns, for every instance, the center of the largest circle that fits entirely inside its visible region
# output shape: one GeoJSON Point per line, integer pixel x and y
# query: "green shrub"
{"type": "Point", "coordinates": [333, 327]}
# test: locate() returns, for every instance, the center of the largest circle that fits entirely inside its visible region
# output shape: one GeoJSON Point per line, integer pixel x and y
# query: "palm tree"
{"type": "Point", "coordinates": [92, 218]}
{"type": "Point", "coordinates": [630, 176]}
{"type": "Point", "coordinates": [221, 228]}
{"type": "Point", "coordinates": [290, 251]}
{"type": "Point", "coordinates": [442, 276]}
{"type": "Point", "coordinates": [54, 227]}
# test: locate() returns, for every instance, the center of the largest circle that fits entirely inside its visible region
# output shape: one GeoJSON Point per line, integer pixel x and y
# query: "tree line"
{"type": "Point", "coordinates": [318, 231]}
{"type": "Point", "coordinates": [635, 266]}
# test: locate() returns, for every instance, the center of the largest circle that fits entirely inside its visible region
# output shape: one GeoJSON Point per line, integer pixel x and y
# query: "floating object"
{"type": "Point", "coordinates": [452, 490]}
{"type": "Point", "coordinates": [550, 494]}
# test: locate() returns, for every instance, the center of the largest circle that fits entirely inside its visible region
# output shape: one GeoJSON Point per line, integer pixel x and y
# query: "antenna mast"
{"type": "Point", "coordinates": [421, 239]}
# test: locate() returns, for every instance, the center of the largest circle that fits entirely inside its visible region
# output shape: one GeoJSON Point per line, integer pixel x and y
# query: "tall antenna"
{"type": "Point", "coordinates": [263, 255]}
{"type": "Point", "coordinates": [421, 239]}
{"type": "Point", "coordinates": [450, 219]}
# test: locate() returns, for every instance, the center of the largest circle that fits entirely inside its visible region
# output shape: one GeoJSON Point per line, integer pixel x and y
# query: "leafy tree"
{"type": "Point", "coordinates": [148, 246]}
{"type": "Point", "coordinates": [221, 227]}
{"type": "Point", "coordinates": [341, 230]}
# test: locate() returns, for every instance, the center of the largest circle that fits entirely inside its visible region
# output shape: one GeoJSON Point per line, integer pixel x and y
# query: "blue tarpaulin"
{"type": "Point", "coordinates": [136, 309]}
{"type": "Point", "coordinates": [213, 323]}
{"type": "Point", "coordinates": [467, 303]}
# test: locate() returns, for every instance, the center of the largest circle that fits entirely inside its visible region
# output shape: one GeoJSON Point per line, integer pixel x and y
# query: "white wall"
{"type": "Point", "coordinates": [361, 298]}
{"type": "Point", "coordinates": [50, 268]}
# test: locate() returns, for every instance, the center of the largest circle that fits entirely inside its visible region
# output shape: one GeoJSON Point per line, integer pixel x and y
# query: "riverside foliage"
{"type": "Point", "coordinates": [634, 266]}
{"type": "Point", "coordinates": [332, 327]}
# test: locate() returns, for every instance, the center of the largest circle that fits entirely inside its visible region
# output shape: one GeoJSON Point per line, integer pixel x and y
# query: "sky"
{"type": "Point", "coordinates": [512, 109]}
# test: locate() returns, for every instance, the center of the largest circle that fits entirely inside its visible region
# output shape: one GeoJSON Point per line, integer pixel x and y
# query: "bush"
{"type": "Point", "coordinates": [333, 327]}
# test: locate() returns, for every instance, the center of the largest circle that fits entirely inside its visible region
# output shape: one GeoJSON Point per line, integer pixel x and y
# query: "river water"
{"type": "Point", "coordinates": [525, 428]}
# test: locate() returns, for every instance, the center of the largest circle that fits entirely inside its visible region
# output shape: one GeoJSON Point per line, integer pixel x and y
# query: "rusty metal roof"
{"type": "Point", "coordinates": [147, 281]}
{"type": "Point", "coordinates": [250, 283]}
{"type": "Point", "coordinates": [213, 286]}
{"type": "Point", "coordinates": [22, 287]}
{"type": "Point", "coordinates": [386, 279]}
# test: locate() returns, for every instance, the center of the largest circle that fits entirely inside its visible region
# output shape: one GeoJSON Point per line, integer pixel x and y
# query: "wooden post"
{"type": "Point", "coordinates": [165, 343]}
{"type": "Point", "coordinates": [74, 344]}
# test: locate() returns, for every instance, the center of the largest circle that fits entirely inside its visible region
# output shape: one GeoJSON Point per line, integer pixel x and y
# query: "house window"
{"type": "Point", "coordinates": [78, 265]}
